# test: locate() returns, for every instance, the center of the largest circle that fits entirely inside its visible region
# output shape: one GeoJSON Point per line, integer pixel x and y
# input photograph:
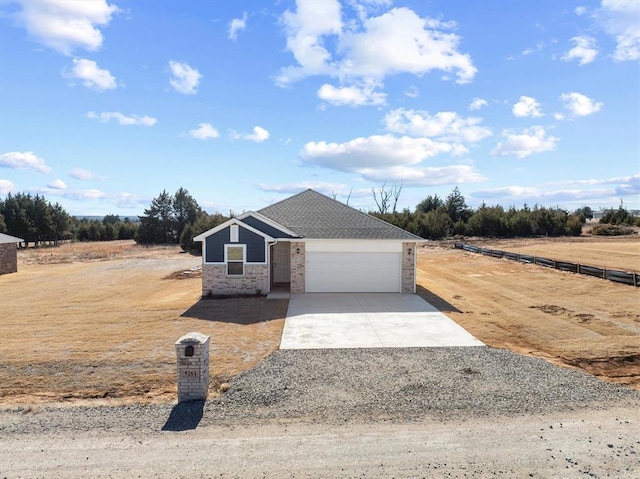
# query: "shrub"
{"type": "Point", "coordinates": [612, 230]}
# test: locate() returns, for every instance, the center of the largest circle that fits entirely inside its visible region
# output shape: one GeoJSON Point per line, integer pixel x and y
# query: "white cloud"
{"type": "Point", "coordinates": [6, 187]}
{"type": "Point", "coordinates": [123, 120]}
{"type": "Point", "coordinates": [91, 75]}
{"type": "Point", "coordinates": [81, 174]}
{"type": "Point", "coordinates": [527, 106]}
{"type": "Point", "coordinates": [205, 131]}
{"type": "Point", "coordinates": [321, 186]}
{"type": "Point", "coordinates": [398, 41]}
{"type": "Point", "coordinates": [185, 78]}
{"type": "Point", "coordinates": [352, 95]}
{"type": "Point", "coordinates": [305, 30]}
{"type": "Point", "coordinates": [57, 185]}
{"type": "Point", "coordinates": [477, 103]}
{"type": "Point", "coordinates": [621, 18]}
{"type": "Point", "coordinates": [236, 25]}
{"type": "Point", "coordinates": [529, 141]}
{"type": "Point", "coordinates": [558, 116]}
{"type": "Point", "coordinates": [259, 135]}
{"type": "Point", "coordinates": [374, 152]}
{"type": "Point", "coordinates": [596, 192]}
{"type": "Point", "coordinates": [539, 46]}
{"type": "Point", "coordinates": [424, 176]}
{"type": "Point", "coordinates": [23, 160]}
{"type": "Point", "coordinates": [580, 10]}
{"type": "Point", "coordinates": [66, 25]}
{"type": "Point", "coordinates": [579, 104]}
{"type": "Point", "coordinates": [629, 185]}
{"type": "Point", "coordinates": [412, 92]}
{"type": "Point", "coordinates": [91, 194]}
{"type": "Point", "coordinates": [444, 125]}
{"type": "Point", "coordinates": [584, 51]}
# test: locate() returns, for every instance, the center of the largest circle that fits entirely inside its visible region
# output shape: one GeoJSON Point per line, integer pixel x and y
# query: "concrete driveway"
{"type": "Point", "coordinates": [368, 320]}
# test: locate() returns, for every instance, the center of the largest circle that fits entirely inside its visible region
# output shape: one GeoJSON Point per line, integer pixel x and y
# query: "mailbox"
{"type": "Point", "coordinates": [192, 351]}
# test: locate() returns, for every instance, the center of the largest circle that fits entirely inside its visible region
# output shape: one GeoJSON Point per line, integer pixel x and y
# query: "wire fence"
{"type": "Point", "coordinates": [624, 277]}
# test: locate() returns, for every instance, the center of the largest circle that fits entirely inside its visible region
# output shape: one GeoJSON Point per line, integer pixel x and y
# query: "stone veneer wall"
{"type": "Point", "coordinates": [216, 282]}
{"type": "Point", "coordinates": [408, 267]}
{"type": "Point", "coordinates": [8, 258]}
{"type": "Point", "coordinates": [297, 268]}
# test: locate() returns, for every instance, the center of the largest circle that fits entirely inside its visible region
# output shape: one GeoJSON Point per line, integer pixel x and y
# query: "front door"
{"type": "Point", "coordinates": [281, 263]}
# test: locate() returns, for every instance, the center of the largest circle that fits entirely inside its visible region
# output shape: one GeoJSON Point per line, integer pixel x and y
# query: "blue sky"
{"type": "Point", "coordinates": [103, 104]}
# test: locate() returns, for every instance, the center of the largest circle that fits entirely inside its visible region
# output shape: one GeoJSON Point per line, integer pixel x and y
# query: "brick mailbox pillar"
{"type": "Point", "coordinates": [193, 367]}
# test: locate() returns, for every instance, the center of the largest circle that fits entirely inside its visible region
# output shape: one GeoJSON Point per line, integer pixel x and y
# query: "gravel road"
{"type": "Point", "coordinates": [374, 388]}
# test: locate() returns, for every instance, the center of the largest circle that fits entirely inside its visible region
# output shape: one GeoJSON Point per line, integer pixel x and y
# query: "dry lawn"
{"type": "Point", "coordinates": [99, 320]}
{"type": "Point", "coordinates": [622, 253]}
{"type": "Point", "coordinates": [569, 319]}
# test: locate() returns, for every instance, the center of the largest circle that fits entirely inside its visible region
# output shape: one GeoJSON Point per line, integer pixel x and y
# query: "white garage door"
{"type": "Point", "coordinates": [329, 268]}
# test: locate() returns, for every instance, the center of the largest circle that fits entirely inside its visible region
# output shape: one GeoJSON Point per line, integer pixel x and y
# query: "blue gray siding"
{"type": "Point", "coordinates": [265, 228]}
{"type": "Point", "coordinates": [255, 245]}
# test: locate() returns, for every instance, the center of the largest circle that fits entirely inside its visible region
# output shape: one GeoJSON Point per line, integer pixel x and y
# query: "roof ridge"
{"type": "Point", "coordinates": [286, 199]}
{"type": "Point", "coordinates": [368, 215]}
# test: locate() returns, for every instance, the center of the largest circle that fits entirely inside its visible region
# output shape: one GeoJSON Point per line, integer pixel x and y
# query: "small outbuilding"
{"type": "Point", "coordinates": [308, 243]}
{"type": "Point", "coordinates": [9, 253]}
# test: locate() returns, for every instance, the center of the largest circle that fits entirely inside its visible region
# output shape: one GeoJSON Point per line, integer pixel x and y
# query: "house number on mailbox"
{"type": "Point", "coordinates": [191, 373]}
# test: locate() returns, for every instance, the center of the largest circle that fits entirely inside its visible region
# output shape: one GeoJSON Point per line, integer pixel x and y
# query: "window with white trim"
{"type": "Point", "coordinates": [234, 257]}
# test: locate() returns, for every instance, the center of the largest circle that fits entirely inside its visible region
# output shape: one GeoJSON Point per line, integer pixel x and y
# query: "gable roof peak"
{"type": "Point", "coordinates": [316, 216]}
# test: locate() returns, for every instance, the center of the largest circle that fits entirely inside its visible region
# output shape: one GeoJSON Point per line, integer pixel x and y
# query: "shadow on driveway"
{"type": "Point", "coordinates": [436, 301]}
{"type": "Point", "coordinates": [238, 310]}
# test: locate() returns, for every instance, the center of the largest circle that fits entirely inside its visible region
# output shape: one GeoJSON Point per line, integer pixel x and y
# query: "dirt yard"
{"type": "Point", "coordinates": [99, 320]}
{"type": "Point", "coordinates": [569, 319]}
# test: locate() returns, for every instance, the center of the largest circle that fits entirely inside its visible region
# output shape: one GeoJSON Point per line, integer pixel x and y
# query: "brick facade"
{"type": "Point", "coordinates": [408, 267]}
{"type": "Point", "coordinates": [193, 367]}
{"type": "Point", "coordinates": [8, 258]}
{"type": "Point", "coordinates": [297, 267]}
{"type": "Point", "coordinates": [216, 282]}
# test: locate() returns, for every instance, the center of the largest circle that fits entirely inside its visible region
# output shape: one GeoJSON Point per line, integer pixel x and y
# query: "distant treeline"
{"type": "Point", "coordinates": [436, 218]}
{"type": "Point", "coordinates": [169, 219]}
{"type": "Point", "coordinates": [177, 218]}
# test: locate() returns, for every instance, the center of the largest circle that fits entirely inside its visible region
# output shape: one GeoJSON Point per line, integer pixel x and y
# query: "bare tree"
{"type": "Point", "coordinates": [386, 196]}
{"type": "Point", "coordinates": [396, 195]}
{"type": "Point", "coordinates": [335, 196]}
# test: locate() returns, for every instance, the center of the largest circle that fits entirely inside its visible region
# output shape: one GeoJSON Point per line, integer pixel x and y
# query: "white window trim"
{"type": "Point", "coordinates": [226, 260]}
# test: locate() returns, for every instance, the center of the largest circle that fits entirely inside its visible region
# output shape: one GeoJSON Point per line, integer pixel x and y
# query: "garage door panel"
{"type": "Point", "coordinates": [353, 272]}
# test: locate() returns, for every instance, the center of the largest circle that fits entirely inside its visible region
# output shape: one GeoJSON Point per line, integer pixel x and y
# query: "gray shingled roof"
{"type": "Point", "coordinates": [315, 216]}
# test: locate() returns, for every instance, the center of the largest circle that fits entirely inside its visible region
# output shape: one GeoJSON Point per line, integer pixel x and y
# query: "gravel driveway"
{"type": "Point", "coordinates": [359, 386]}
{"type": "Point", "coordinates": [439, 412]}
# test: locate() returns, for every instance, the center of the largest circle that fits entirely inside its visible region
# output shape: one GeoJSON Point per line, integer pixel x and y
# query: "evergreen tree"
{"type": "Point", "coordinates": [185, 211]}
{"type": "Point", "coordinates": [456, 206]}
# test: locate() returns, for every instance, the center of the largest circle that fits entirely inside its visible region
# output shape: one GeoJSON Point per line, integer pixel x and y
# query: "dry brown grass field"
{"type": "Point", "coordinates": [99, 321]}
{"type": "Point", "coordinates": [569, 319]}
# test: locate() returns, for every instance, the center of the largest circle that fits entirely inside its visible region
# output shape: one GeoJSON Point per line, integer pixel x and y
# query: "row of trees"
{"type": "Point", "coordinates": [177, 218]}
{"type": "Point", "coordinates": [33, 219]}
{"type": "Point", "coordinates": [169, 219]}
{"type": "Point", "coordinates": [436, 217]}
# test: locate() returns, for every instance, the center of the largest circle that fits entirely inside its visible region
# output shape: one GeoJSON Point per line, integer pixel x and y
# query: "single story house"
{"type": "Point", "coordinates": [9, 253]}
{"type": "Point", "coordinates": [307, 243]}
